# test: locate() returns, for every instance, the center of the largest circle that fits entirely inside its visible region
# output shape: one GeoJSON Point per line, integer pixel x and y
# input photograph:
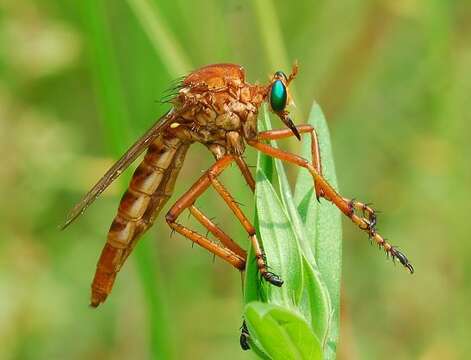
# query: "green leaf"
{"type": "Point", "coordinates": [322, 221]}
{"type": "Point", "coordinates": [285, 191]}
{"type": "Point", "coordinates": [282, 334]}
{"type": "Point", "coordinates": [280, 246]}
{"type": "Point", "coordinates": [315, 301]}
{"type": "Point", "coordinates": [273, 223]}
{"type": "Point", "coordinates": [316, 306]}
{"type": "Point", "coordinates": [290, 236]}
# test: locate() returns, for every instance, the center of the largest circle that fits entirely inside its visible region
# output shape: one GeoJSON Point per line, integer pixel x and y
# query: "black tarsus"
{"type": "Point", "coordinates": [273, 279]}
{"type": "Point", "coordinates": [371, 222]}
{"type": "Point", "coordinates": [396, 254]}
{"type": "Point", "coordinates": [269, 276]}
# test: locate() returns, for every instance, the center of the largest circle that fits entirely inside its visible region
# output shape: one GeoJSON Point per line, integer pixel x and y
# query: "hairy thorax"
{"type": "Point", "coordinates": [218, 108]}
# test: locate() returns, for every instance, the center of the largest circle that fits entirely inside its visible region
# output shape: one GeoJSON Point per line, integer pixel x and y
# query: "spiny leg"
{"type": "Point", "coordinates": [327, 191]}
{"type": "Point", "coordinates": [244, 168]}
{"type": "Point", "coordinates": [259, 255]}
{"type": "Point", "coordinates": [217, 232]}
{"type": "Point", "coordinates": [278, 134]}
{"type": "Point", "coordinates": [204, 242]}
{"type": "Point", "coordinates": [187, 200]}
{"type": "Point", "coordinates": [368, 214]}
{"type": "Point", "coordinates": [367, 222]}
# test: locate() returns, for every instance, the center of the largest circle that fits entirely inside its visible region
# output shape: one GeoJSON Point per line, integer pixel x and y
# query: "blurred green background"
{"type": "Point", "coordinates": [79, 82]}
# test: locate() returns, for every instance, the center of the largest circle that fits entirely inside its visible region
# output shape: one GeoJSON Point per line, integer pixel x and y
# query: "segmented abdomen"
{"type": "Point", "coordinates": [150, 187]}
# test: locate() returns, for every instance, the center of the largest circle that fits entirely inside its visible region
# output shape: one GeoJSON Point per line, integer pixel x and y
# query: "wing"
{"type": "Point", "coordinates": [113, 173]}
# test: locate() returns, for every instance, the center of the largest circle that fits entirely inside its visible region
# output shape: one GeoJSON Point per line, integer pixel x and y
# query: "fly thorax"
{"type": "Point", "coordinates": [245, 94]}
{"type": "Point", "coordinates": [205, 116]}
{"type": "Point", "coordinates": [228, 121]}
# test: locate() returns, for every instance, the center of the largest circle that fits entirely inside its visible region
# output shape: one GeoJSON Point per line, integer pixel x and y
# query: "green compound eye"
{"type": "Point", "coordinates": [278, 96]}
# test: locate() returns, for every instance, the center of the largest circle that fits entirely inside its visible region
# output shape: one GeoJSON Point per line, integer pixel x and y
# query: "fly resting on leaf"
{"type": "Point", "coordinates": [214, 106]}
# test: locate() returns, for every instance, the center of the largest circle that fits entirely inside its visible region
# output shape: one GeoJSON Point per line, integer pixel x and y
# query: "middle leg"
{"type": "Point", "coordinates": [231, 252]}
{"type": "Point", "coordinates": [247, 225]}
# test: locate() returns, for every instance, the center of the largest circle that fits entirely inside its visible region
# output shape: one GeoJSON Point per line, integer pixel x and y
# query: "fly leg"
{"type": "Point", "coordinates": [217, 232]}
{"type": "Point", "coordinates": [232, 252]}
{"type": "Point", "coordinates": [315, 151]}
{"type": "Point", "coordinates": [259, 255]}
{"type": "Point", "coordinates": [236, 256]}
{"type": "Point", "coordinates": [368, 213]}
{"type": "Point", "coordinates": [244, 169]}
{"type": "Point", "coordinates": [365, 221]}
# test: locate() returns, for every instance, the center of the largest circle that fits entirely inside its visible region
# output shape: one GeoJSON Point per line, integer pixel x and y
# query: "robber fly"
{"type": "Point", "coordinates": [216, 107]}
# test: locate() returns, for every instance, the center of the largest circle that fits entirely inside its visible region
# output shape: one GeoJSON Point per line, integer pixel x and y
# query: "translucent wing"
{"type": "Point", "coordinates": [113, 173]}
